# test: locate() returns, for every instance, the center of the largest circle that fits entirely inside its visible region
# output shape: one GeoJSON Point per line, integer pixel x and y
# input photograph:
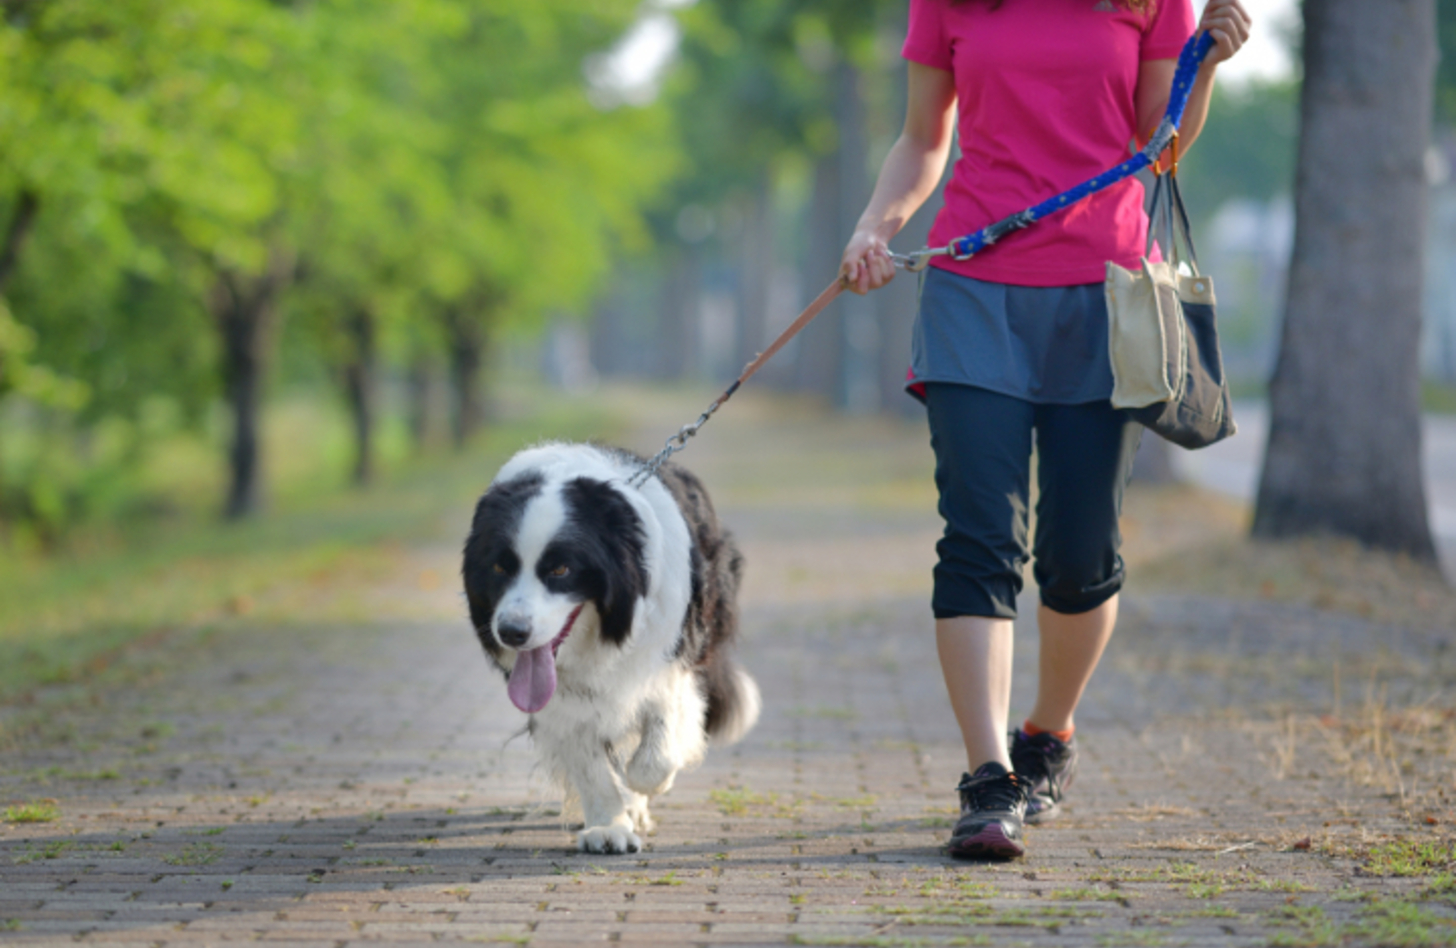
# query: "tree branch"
{"type": "Point", "coordinates": [26, 206]}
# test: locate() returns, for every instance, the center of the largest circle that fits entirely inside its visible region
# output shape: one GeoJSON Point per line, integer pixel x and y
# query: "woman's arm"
{"type": "Point", "coordinates": [910, 173]}
{"type": "Point", "coordinates": [1229, 23]}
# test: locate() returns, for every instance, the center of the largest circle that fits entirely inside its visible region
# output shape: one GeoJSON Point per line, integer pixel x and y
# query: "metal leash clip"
{"type": "Point", "coordinates": [671, 446]}
{"type": "Point", "coordinates": [918, 260]}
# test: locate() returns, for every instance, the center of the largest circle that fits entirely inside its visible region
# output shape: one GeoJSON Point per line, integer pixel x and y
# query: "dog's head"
{"type": "Point", "coordinates": [546, 559]}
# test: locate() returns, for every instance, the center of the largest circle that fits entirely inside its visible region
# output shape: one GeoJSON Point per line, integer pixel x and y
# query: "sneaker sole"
{"type": "Point", "coordinates": [1047, 813]}
{"type": "Point", "coordinates": [990, 843]}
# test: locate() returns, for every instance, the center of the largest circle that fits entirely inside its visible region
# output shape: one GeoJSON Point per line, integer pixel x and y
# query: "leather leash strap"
{"type": "Point", "coordinates": [679, 441]}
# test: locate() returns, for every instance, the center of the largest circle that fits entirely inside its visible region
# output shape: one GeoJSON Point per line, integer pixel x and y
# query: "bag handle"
{"type": "Point", "coordinates": [1168, 215]}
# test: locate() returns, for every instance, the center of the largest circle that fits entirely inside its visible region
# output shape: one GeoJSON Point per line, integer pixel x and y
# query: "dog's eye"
{"type": "Point", "coordinates": [560, 571]}
{"type": "Point", "coordinates": [498, 569]}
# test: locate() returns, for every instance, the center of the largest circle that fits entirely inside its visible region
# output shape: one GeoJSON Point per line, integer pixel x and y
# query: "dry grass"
{"type": "Point", "coordinates": [1325, 573]}
{"type": "Point", "coordinates": [1407, 753]}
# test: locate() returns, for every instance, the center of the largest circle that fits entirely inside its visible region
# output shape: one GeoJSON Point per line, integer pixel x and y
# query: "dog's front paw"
{"type": "Point", "coordinates": [612, 840]}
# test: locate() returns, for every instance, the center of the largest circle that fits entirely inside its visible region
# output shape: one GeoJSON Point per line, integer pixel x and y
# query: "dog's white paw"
{"type": "Point", "coordinates": [611, 840]}
{"type": "Point", "coordinates": [641, 819]}
{"type": "Point", "coordinates": [649, 773]}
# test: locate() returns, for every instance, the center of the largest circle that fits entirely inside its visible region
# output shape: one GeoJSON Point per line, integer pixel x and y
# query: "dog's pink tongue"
{"type": "Point", "coordinates": [533, 680]}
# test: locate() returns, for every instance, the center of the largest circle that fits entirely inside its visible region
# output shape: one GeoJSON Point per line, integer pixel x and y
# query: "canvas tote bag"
{"type": "Point", "coordinates": [1167, 369]}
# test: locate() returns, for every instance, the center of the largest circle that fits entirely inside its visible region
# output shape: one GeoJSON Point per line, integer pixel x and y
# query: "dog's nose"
{"type": "Point", "coordinates": [513, 633]}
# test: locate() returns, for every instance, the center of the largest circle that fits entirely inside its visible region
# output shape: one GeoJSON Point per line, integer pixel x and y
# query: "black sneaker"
{"type": "Point", "coordinates": [1047, 765]}
{"type": "Point", "coordinates": [993, 805]}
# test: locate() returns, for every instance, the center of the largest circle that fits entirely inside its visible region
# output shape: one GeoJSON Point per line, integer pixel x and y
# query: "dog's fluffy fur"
{"type": "Point", "coordinates": [644, 581]}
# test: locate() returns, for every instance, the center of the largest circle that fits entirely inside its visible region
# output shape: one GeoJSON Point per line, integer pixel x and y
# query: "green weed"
{"type": "Point", "coordinates": [1402, 925]}
{"type": "Point", "coordinates": [45, 811]}
{"type": "Point", "coordinates": [1409, 857]}
{"type": "Point", "coordinates": [740, 801]}
{"type": "Point", "coordinates": [1088, 895]}
{"type": "Point", "coordinates": [195, 854]}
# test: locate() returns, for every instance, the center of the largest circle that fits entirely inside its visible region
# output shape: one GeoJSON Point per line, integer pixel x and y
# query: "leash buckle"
{"type": "Point", "coordinates": [917, 260]}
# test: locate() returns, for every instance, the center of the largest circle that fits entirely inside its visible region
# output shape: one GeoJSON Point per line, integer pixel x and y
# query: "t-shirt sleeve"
{"type": "Point", "coordinates": [1172, 24]}
{"type": "Point", "coordinates": [925, 39]}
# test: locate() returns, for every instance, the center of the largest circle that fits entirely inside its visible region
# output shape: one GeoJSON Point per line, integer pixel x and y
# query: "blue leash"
{"type": "Point", "coordinates": [963, 248]}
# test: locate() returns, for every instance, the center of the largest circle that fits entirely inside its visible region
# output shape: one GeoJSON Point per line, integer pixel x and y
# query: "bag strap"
{"type": "Point", "coordinates": [1168, 216]}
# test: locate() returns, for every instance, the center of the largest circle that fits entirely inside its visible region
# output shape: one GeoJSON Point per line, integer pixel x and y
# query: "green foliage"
{"type": "Point", "coordinates": [1247, 147]}
{"type": "Point", "coordinates": [394, 159]}
{"type": "Point", "coordinates": [43, 812]}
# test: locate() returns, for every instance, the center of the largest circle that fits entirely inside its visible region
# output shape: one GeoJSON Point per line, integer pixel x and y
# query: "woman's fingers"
{"type": "Point", "coordinates": [866, 268]}
{"type": "Point", "coordinates": [1229, 24]}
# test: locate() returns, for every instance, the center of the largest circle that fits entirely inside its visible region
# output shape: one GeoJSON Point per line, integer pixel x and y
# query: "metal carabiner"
{"type": "Point", "coordinates": [917, 260]}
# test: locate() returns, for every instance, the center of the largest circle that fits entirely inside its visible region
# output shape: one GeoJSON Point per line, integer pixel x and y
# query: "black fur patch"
{"type": "Point", "coordinates": [711, 623]}
{"type": "Point", "coordinates": [603, 544]}
{"type": "Point", "coordinates": [492, 543]}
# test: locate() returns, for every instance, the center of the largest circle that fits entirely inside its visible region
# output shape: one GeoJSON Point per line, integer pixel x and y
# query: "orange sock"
{"type": "Point", "coordinates": [1031, 730]}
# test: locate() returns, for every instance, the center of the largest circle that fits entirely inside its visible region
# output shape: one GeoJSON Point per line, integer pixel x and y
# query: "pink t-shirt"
{"type": "Point", "coordinates": [1045, 93]}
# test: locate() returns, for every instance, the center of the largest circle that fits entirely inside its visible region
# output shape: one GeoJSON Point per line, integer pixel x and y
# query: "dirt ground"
{"type": "Point", "coordinates": [1267, 750]}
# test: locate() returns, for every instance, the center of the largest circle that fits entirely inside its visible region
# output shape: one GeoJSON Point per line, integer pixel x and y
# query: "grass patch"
{"type": "Point", "coordinates": [43, 812]}
{"type": "Point", "coordinates": [1088, 895]}
{"type": "Point", "coordinates": [741, 801]}
{"type": "Point", "coordinates": [51, 850]}
{"type": "Point", "coordinates": [1389, 923]}
{"type": "Point", "coordinates": [1402, 925]}
{"type": "Point", "coordinates": [1409, 857]}
{"type": "Point", "coordinates": [195, 854]}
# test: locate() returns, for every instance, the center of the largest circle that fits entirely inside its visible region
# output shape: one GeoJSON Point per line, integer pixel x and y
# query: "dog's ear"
{"type": "Point", "coordinates": [617, 532]}
{"type": "Point", "coordinates": [491, 540]}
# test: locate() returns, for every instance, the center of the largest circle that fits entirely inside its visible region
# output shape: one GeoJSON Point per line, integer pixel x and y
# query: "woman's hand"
{"type": "Point", "coordinates": [866, 264]}
{"type": "Point", "coordinates": [1228, 22]}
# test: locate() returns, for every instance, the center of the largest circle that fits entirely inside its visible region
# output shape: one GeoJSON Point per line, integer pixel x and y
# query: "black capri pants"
{"type": "Point", "coordinates": [983, 442]}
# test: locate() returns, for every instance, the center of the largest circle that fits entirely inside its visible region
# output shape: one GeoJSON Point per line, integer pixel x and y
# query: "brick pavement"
{"type": "Point", "coordinates": [367, 783]}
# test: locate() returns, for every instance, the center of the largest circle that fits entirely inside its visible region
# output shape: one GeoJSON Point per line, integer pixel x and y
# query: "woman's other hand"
{"type": "Point", "coordinates": [866, 264]}
{"type": "Point", "coordinates": [1228, 22]}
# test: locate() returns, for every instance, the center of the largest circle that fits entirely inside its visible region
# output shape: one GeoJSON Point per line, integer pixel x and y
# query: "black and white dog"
{"type": "Point", "coordinates": [611, 610]}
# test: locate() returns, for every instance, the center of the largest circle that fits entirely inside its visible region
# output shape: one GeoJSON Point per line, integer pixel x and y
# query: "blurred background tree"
{"type": "Point", "coordinates": [186, 184]}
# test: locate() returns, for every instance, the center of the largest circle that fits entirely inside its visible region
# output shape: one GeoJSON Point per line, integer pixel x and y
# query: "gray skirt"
{"type": "Point", "coordinates": [1042, 344]}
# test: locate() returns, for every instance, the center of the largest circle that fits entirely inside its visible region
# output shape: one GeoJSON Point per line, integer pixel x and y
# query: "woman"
{"type": "Point", "coordinates": [1014, 342]}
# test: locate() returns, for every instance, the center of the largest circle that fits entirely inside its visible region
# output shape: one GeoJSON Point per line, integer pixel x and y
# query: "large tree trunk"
{"type": "Point", "coordinates": [245, 308]}
{"type": "Point", "coordinates": [360, 391]}
{"type": "Point", "coordinates": [1344, 451]}
{"type": "Point", "coordinates": [22, 221]}
{"type": "Point", "coordinates": [467, 360]}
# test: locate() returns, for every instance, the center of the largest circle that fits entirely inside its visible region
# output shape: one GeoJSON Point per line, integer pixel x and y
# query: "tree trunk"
{"type": "Point", "coordinates": [820, 357]}
{"type": "Point", "coordinates": [246, 313]}
{"type": "Point", "coordinates": [1344, 450]}
{"type": "Point", "coordinates": [467, 359]}
{"type": "Point", "coordinates": [359, 389]}
{"type": "Point", "coordinates": [418, 384]}
{"type": "Point", "coordinates": [22, 221]}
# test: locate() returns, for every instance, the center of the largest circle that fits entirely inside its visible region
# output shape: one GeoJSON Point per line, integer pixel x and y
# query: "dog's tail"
{"type": "Point", "coordinates": [733, 702]}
